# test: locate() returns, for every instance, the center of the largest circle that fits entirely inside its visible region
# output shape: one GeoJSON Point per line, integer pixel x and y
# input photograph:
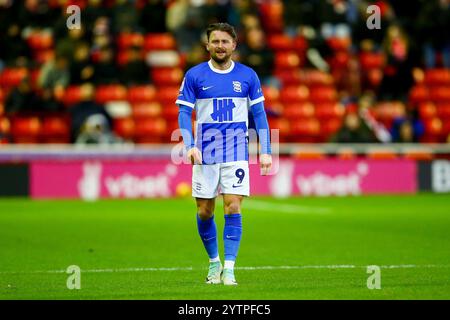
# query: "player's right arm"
{"type": "Point", "coordinates": [186, 103]}
{"type": "Point", "coordinates": [185, 124]}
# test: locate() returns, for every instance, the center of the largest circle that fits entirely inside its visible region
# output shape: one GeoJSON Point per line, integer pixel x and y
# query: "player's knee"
{"type": "Point", "coordinates": [204, 212]}
{"type": "Point", "coordinates": [232, 207]}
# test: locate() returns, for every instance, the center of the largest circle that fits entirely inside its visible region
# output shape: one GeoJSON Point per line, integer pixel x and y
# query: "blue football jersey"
{"type": "Point", "coordinates": [222, 100]}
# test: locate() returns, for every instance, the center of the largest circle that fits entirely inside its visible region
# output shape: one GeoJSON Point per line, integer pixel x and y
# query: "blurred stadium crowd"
{"type": "Point", "coordinates": [326, 76]}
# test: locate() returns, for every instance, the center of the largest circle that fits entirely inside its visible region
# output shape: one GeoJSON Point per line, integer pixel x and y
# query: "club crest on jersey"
{"type": "Point", "coordinates": [237, 86]}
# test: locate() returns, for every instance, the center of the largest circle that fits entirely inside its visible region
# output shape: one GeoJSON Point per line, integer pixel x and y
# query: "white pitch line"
{"type": "Point", "coordinates": [284, 207]}
{"type": "Point", "coordinates": [340, 266]}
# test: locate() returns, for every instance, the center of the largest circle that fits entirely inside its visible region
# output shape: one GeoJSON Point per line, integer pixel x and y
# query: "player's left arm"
{"type": "Point", "coordinates": [262, 128]}
{"type": "Point", "coordinates": [256, 103]}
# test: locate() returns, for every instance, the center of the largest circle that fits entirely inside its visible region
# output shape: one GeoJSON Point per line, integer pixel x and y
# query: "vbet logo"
{"type": "Point", "coordinates": [317, 183]}
{"type": "Point", "coordinates": [126, 185]}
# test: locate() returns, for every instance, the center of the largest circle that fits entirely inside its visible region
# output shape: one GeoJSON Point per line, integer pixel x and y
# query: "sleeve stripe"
{"type": "Point", "coordinates": [185, 103]}
{"type": "Point", "coordinates": [252, 102]}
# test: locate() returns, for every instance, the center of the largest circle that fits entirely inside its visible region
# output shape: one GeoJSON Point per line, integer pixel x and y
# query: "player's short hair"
{"type": "Point", "coordinates": [221, 26]}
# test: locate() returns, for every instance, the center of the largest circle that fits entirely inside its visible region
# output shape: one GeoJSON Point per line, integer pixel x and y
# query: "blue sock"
{"type": "Point", "coordinates": [208, 234]}
{"type": "Point", "coordinates": [232, 235]}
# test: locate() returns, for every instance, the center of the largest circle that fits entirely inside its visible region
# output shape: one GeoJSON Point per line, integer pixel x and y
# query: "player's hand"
{"type": "Point", "coordinates": [265, 162]}
{"type": "Point", "coordinates": [194, 155]}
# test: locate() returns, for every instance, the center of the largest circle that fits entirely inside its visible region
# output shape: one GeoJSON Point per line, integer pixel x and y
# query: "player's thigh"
{"type": "Point", "coordinates": [205, 181]}
{"type": "Point", "coordinates": [234, 178]}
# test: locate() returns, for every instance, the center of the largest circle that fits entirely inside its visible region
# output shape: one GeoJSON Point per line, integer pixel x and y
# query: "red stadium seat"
{"type": "Point", "coordinates": [126, 40]}
{"type": "Point", "coordinates": [440, 94]}
{"type": "Point", "coordinates": [298, 110]}
{"type": "Point", "coordinates": [443, 111]}
{"type": "Point", "coordinates": [26, 129]}
{"type": "Point", "coordinates": [427, 110]}
{"type": "Point", "coordinates": [167, 76]}
{"type": "Point", "coordinates": [329, 110]}
{"type": "Point", "coordinates": [5, 125]}
{"type": "Point", "coordinates": [150, 130]}
{"type": "Point", "coordinates": [433, 126]}
{"type": "Point", "coordinates": [170, 112]}
{"type": "Point", "coordinates": [435, 77]}
{"type": "Point", "coordinates": [11, 77]}
{"type": "Point", "coordinates": [288, 60]}
{"type": "Point", "coordinates": [282, 125]}
{"type": "Point", "coordinates": [159, 41]}
{"type": "Point", "coordinates": [146, 109]}
{"type": "Point", "coordinates": [124, 127]}
{"type": "Point", "coordinates": [55, 129]}
{"type": "Point", "coordinates": [371, 60]}
{"type": "Point", "coordinates": [283, 42]}
{"type": "Point", "coordinates": [43, 56]}
{"type": "Point", "coordinates": [271, 94]}
{"type": "Point", "coordinates": [292, 94]}
{"type": "Point", "coordinates": [72, 95]}
{"type": "Point", "coordinates": [316, 78]}
{"type": "Point", "coordinates": [323, 94]}
{"type": "Point", "coordinates": [339, 44]}
{"type": "Point", "coordinates": [328, 127]}
{"type": "Point", "coordinates": [305, 130]}
{"type": "Point", "coordinates": [389, 110]}
{"type": "Point", "coordinates": [40, 41]}
{"type": "Point", "coordinates": [272, 15]}
{"type": "Point", "coordinates": [113, 92]}
{"type": "Point", "coordinates": [144, 93]}
{"type": "Point", "coordinates": [167, 95]}
{"type": "Point", "coordinates": [418, 94]}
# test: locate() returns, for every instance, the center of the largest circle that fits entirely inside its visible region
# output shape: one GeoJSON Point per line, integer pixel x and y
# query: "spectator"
{"type": "Point", "coordinates": [433, 20]}
{"type": "Point", "coordinates": [153, 16]}
{"type": "Point", "coordinates": [54, 74]}
{"type": "Point", "coordinates": [353, 130]}
{"type": "Point", "coordinates": [81, 68]}
{"type": "Point", "coordinates": [408, 129]}
{"type": "Point", "coordinates": [87, 107]}
{"type": "Point", "coordinates": [105, 70]}
{"type": "Point", "coordinates": [135, 71]}
{"type": "Point", "coordinates": [67, 45]}
{"type": "Point", "coordinates": [257, 55]}
{"type": "Point", "coordinates": [177, 22]}
{"type": "Point", "coordinates": [14, 50]}
{"type": "Point", "coordinates": [124, 17]}
{"type": "Point", "coordinates": [93, 11]}
{"type": "Point", "coordinates": [22, 98]}
{"type": "Point", "coordinates": [397, 78]}
{"type": "Point", "coordinates": [96, 130]}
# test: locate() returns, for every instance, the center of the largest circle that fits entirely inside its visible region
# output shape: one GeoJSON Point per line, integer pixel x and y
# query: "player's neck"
{"type": "Point", "coordinates": [221, 66]}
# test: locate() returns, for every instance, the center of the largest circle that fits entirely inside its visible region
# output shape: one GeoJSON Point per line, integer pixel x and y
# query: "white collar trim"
{"type": "Point", "coordinates": [221, 71]}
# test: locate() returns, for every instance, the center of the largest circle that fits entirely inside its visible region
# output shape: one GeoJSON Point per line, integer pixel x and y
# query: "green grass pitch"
{"type": "Point", "coordinates": [296, 248]}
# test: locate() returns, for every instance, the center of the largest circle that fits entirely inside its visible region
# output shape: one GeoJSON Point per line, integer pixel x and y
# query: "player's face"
{"type": "Point", "coordinates": [220, 46]}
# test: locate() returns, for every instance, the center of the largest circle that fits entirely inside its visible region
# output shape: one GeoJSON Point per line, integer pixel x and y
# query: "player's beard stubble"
{"type": "Point", "coordinates": [221, 56]}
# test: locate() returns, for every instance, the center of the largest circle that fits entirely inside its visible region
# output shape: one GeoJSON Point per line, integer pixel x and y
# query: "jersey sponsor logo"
{"type": "Point", "coordinates": [206, 88]}
{"type": "Point", "coordinates": [237, 186]}
{"type": "Point", "coordinates": [237, 86]}
{"type": "Point", "coordinates": [223, 110]}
